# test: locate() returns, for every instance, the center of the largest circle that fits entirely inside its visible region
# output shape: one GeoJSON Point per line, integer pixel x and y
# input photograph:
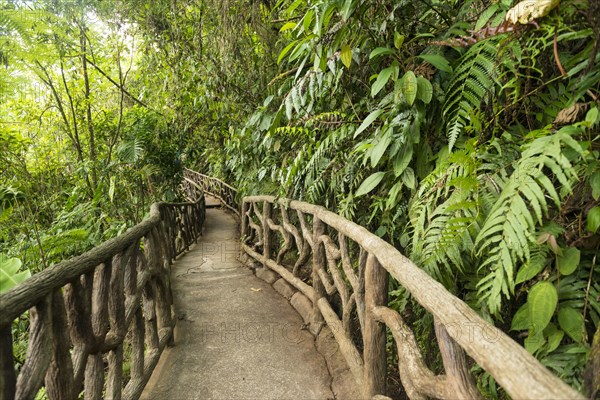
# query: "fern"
{"type": "Point", "coordinates": [132, 150]}
{"type": "Point", "coordinates": [16, 21]}
{"type": "Point", "coordinates": [475, 75]}
{"type": "Point", "coordinates": [507, 232]}
{"type": "Point", "coordinates": [442, 214]}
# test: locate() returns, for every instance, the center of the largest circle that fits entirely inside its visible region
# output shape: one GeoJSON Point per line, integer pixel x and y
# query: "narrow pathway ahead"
{"type": "Point", "coordinates": [236, 338]}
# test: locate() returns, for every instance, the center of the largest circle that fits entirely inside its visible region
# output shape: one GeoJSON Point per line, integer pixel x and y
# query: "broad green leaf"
{"type": "Point", "coordinates": [592, 116]}
{"type": "Point", "coordinates": [402, 159]}
{"type": "Point", "coordinates": [553, 336]}
{"type": "Point", "coordinates": [534, 342]}
{"type": "Point", "coordinates": [520, 321]}
{"type": "Point", "coordinates": [528, 271]}
{"type": "Point", "coordinates": [398, 40]}
{"type": "Point", "coordinates": [409, 87]}
{"type": "Point", "coordinates": [288, 26]}
{"type": "Point", "coordinates": [370, 183]}
{"type": "Point", "coordinates": [381, 80]}
{"type": "Point", "coordinates": [571, 321]}
{"type": "Point", "coordinates": [424, 90]}
{"type": "Point", "coordinates": [381, 147]}
{"type": "Point", "coordinates": [308, 19]}
{"type": "Point", "coordinates": [593, 220]}
{"type": "Point", "coordinates": [568, 261]}
{"type": "Point", "coordinates": [393, 195]}
{"type": "Point", "coordinates": [380, 51]}
{"type": "Point", "coordinates": [286, 50]}
{"type": "Point", "coordinates": [485, 16]}
{"type": "Point", "coordinates": [437, 61]}
{"type": "Point", "coordinates": [9, 275]}
{"type": "Point", "coordinates": [368, 121]}
{"type": "Point", "coordinates": [595, 184]}
{"type": "Point", "coordinates": [408, 177]}
{"type": "Point", "coordinates": [293, 6]}
{"type": "Point", "coordinates": [346, 55]}
{"type": "Point", "coordinates": [542, 300]}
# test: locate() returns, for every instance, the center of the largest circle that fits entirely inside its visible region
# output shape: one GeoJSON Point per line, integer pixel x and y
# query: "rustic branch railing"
{"type": "Point", "coordinates": [92, 313]}
{"type": "Point", "coordinates": [213, 186]}
{"type": "Point", "coordinates": [343, 269]}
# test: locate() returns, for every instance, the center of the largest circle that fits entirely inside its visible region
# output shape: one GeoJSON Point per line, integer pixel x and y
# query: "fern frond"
{"type": "Point", "coordinates": [475, 75]}
{"type": "Point", "coordinates": [507, 234]}
{"type": "Point", "coordinates": [130, 151]}
{"type": "Point", "coordinates": [442, 215]}
{"type": "Point", "coordinates": [16, 21]}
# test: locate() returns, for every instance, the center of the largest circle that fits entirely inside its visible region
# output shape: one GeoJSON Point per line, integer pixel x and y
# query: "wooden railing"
{"type": "Point", "coordinates": [99, 322]}
{"type": "Point", "coordinates": [344, 270]}
{"type": "Point", "coordinates": [215, 187]}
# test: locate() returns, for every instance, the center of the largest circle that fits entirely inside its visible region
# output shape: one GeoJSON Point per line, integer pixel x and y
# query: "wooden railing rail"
{"type": "Point", "coordinates": [99, 322]}
{"type": "Point", "coordinates": [344, 269]}
{"type": "Point", "coordinates": [215, 187]}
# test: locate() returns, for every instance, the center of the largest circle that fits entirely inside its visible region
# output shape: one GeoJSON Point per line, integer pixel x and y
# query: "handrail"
{"type": "Point", "coordinates": [346, 278]}
{"type": "Point", "coordinates": [102, 305]}
{"type": "Point", "coordinates": [227, 194]}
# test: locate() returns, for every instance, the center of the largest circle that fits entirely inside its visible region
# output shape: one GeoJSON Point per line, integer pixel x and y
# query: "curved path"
{"type": "Point", "coordinates": [236, 338]}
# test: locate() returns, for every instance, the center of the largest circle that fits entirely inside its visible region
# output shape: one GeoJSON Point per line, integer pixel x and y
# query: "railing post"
{"type": "Point", "coordinates": [374, 335]}
{"type": "Point", "coordinates": [8, 379]}
{"type": "Point", "coordinates": [267, 237]}
{"type": "Point", "coordinates": [455, 365]}
{"type": "Point", "coordinates": [318, 262]}
{"type": "Point", "coordinates": [244, 218]}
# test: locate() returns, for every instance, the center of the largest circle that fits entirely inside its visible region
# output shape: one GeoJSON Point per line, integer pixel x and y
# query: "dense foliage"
{"type": "Point", "coordinates": [466, 133]}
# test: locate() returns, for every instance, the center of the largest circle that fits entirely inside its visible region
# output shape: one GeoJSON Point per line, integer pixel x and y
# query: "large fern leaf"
{"type": "Point", "coordinates": [16, 21]}
{"type": "Point", "coordinates": [474, 76]}
{"type": "Point", "coordinates": [507, 233]}
{"type": "Point", "coordinates": [442, 214]}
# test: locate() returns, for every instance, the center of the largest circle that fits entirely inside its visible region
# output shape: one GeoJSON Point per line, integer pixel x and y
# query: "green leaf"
{"type": "Point", "coordinates": [346, 55]}
{"type": "Point", "coordinates": [571, 321]}
{"type": "Point", "coordinates": [381, 80]}
{"type": "Point", "coordinates": [380, 51]}
{"type": "Point", "coordinates": [288, 26]}
{"type": "Point", "coordinates": [592, 116]}
{"type": "Point", "coordinates": [554, 337]}
{"type": "Point", "coordinates": [425, 90]}
{"type": "Point", "coordinates": [402, 159]}
{"type": "Point", "coordinates": [595, 184]}
{"type": "Point", "coordinates": [398, 40]}
{"type": "Point", "coordinates": [368, 121]}
{"type": "Point", "coordinates": [286, 50]}
{"type": "Point", "coordinates": [437, 61]}
{"type": "Point", "coordinates": [409, 87]}
{"type": "Point", "coordinates": [408, 177]}
{"type": "Point", "coordinates": [568, 261]}
{"type": "Point", "coordinates": [534, 342]}
{"type": "Point", "coordinates": [9, 275]}
{"type": "Point", "coordinates": [542, 300]}
{"type": "Point", "coordinates": [393, 195]}
{"type": "Point", "coordinates": [485, 16]}
{"type": "Point", "coordinates": [528, 271]}
{"type": "Point", "coordinates": [520, 321]}
{"type": "Point", "coordinates": [381, 147]}
{"type": "Point", "coordinates": [593, 220]}
{"type": "Point", "coordinates": [369, 184]}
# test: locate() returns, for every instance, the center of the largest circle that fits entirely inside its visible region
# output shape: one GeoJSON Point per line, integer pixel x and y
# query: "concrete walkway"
{"type": "Point", "coordinates": [236, 338]}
